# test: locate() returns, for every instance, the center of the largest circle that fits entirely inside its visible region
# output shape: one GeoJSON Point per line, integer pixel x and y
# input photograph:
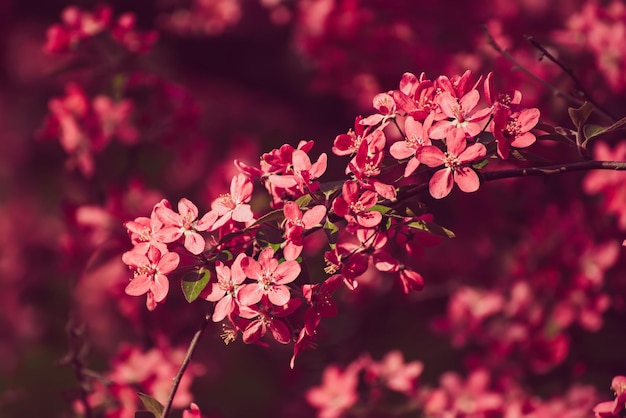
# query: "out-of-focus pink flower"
{"type": "Point", "coordinates": [336, 394]}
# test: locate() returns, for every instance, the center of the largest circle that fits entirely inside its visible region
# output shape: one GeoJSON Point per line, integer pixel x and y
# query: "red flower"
{"type": "Point", "coordinates": [454, 161]}
{"type": "Point", "coordinates": [150, 274]}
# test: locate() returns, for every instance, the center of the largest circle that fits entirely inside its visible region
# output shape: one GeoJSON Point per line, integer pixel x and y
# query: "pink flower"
{"type": "Point", "coordinates": [395, 373]}
{"type": "Point", "coordinates": [336, 394]}
{"type": "Point", "coordinates": [416, 137]}
{"type": "Point", "coordinates": [462, 113]}
{"type": "Point", "coordinates": [301, 173]}
{"type": "Point", "coordinates": [355, 208]}
{"type": "Point", "coordinates": [265, 317]}
{"type": "Point", "coordinates": [150, 274]}
{"type": "Point", "coordinates": [176, 225]}
{"type": "Point", "coordinates": [192, 412]}
{"type": "Point", "coordinates": [234, 205]}
{"type": "Point", "coordinates": [127, 35]}
{"type": "Point", "coordinates": [224, 291]}
{"type": "Point", "coordinates": [618, 384]}
{"type": "Point", "coordinates": [347, 144]}
{"type": "Point", "coordinates": [296, 223]}
{"type": "Point", "coordinates": [512, 129]}
{"type": "Point", "coordinates": [143, 232]}
{"type": "Point", "coordinates": [271, 279]}
{"type": "Point", "coordinates": [454, 161]}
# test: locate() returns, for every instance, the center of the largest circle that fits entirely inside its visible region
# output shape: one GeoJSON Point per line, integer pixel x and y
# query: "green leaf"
{"type": "Point", "coordinates": [592, 130]}
{"type": "Point", "coordinates": [331, 231]}
{"type": "Point", "coordinates": [303, 201]}
{"type": "Point", "coordinates": [151, 404]}
{"type": "Point", "coordinates": [480, 164]}
{"type": "Point", "coordinates": [597, 132]}
{"type": "Point", "coordinates": [382, 209]}
{"type": "Point", "coordinates": [331, 188]}
{"type": "Point", "coordinates": [432, 228]}
{"type": "Point", "coordinates": [193, 284]}
{"type": "Point", "coordinates": [579, 116]}
{"type": "Point", "coordinates": [275, 215]}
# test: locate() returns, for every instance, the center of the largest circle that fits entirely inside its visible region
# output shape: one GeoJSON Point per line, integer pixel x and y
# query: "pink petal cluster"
{"type": "Point", "coordinates": [456, 164]}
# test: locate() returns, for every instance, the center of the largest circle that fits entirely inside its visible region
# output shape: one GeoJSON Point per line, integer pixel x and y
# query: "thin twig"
{"type": "Point", "coordinates": [585, 94]}
{"type": "Point", "coordinates": [512, 60]}
{"type": "Point", "coordinates": [75, 359]}
{"type": "Point", "coordinates": [185, 363]}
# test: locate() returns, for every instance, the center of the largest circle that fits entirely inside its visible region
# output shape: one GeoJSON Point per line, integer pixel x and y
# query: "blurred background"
{"type": "Point", "coordinates": [192, 86]}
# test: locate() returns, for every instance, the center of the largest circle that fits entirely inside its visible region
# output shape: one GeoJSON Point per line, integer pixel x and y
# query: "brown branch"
{"type": "Point", "coordinates": [552, 169]}
{"type": "Point", "coordinates": [585, 94]}
{"type": "Point", "coordinates": [506, 54]}
{"type": "Point", "coordinates": [185, 363]}
{"type": "Point", "coordinates": [74, 359]}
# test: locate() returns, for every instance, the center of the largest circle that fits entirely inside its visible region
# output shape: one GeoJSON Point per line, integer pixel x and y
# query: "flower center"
{"type": "Point", "coordinates": [451, 161]}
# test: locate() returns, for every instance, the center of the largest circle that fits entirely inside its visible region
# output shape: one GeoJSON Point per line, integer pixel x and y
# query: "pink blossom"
{"type": "Point", "coordinates": [394, 373]}
{"type": "Point", "coordinates": [224, 292]}
{"type": "Point", "coordinates": [234, 205]}
{"type": "Point", "coordinates": [296, 223]}
{"type": "Point", "coordinates": [271, 278]}
{"type": "Point", "coordinates": [455, 162]}
{"type": "Point", "coordinates": [463, 114]}
{"type": "Point", "coordinates": [416, 136]}
{"type": "Point", "coordinates": [150, 272]}
{"type": "Point", "coordinates": [354, 207]}
{"type": "Point", "coordinates": [336, 394]}
{"type": "Point", "coordinates": [513, 129]}
{"type": "Point", "coordinates": [183, 224]}
{"type": "Point", "coordinates": [265, 317]}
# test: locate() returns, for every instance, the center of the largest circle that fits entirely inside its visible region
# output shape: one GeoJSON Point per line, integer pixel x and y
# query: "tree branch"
{"type": "Point", "coordinates": [552, 169]}
{"type": "Point", "coordinates": [185, 363]}
{"type": "Point", "coordinates": [587, 96]}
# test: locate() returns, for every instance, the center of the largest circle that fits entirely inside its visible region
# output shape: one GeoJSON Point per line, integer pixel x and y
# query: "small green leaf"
{"type": "Point", "coordinates": [331, 231]}
{"type": "Point", "coordinates": [275, 215]}
{"type": "Point", "coordinates": [151, 404]}
{"type": "Point", "coordinates": [597, 132]}
{"type": "Point", "coordinates": [579, 116]}
{"type": "Point", "coordinates": [331, 188]}
{"type": "Point", "coordinates": [432, 228]}
{"type": "Point", "coordinates": [303, 201]}
{"type": "Point", "coordinates": [193, 284]}
{"type": "Point", "coordinates": [480, 164]}
{"type": "Point", "coordinates": [592, 130]}
{"type": "Point", "coordinates": [382, 209]}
